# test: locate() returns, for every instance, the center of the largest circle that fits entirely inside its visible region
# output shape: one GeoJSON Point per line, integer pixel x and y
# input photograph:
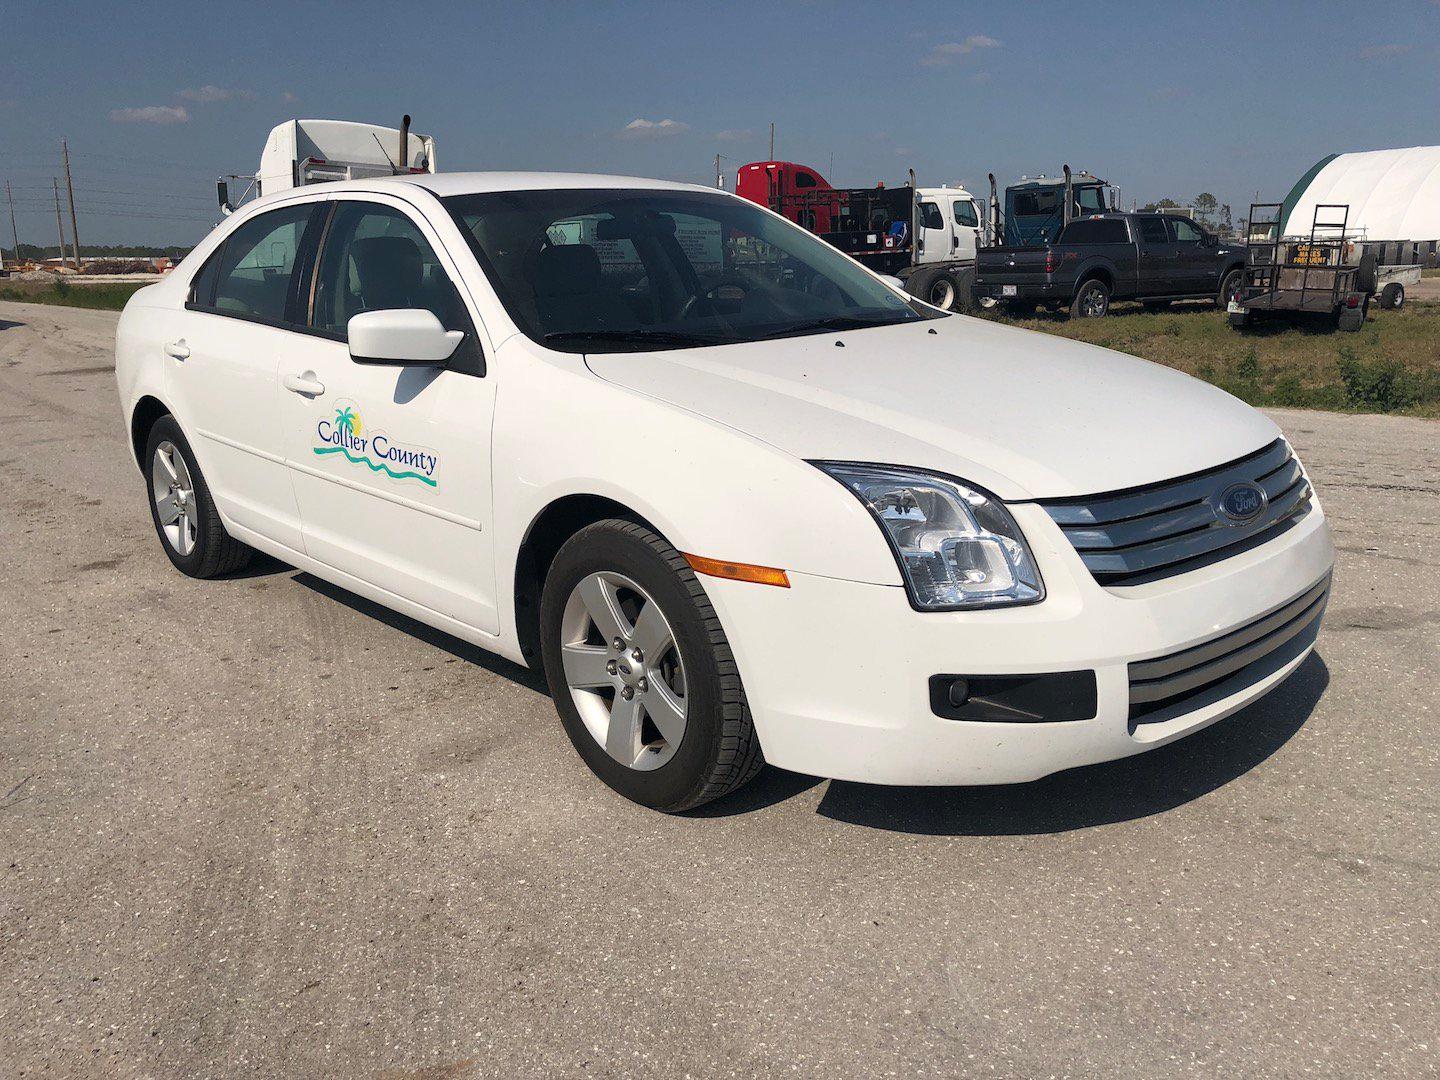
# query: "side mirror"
{"type": "Point", "coordinates": [401, 336]}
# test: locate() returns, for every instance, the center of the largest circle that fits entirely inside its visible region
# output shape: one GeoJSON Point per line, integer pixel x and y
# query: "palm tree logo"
{"type": "Point", "coordinates": [348, 421]}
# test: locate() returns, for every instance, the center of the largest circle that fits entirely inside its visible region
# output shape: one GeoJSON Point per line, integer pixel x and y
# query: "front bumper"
{"type": "Point", "coordinates": [837, 673]}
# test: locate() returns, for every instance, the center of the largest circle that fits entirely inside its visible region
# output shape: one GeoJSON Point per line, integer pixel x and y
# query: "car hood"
{"type": "Point", "coordinates": [1023, 414]}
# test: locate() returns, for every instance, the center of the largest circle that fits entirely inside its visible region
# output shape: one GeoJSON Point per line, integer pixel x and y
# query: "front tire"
{"type": "Point", "coordinates": [182, 509]}
{"type": "Point", "coordinates": [641, 671]}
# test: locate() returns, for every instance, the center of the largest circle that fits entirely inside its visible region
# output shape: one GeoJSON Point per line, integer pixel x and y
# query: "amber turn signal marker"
{"type": "Point", "coordinates": [738, 571]}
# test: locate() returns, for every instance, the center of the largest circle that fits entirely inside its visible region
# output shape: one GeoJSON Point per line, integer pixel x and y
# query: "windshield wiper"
{"type": "Point", "coordinates": [835, 322]}
{"type": "Point", "coordinates": [638, 336]}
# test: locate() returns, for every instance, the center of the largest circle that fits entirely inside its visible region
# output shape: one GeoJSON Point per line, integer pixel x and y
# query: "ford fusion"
{"type": "Point", "coordinates": [739, 498]}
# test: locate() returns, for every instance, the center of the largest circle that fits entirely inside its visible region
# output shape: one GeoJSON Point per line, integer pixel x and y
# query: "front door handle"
{"type": "Point", "coordinates": [304, 384]}
{"type": "Point", "coordinates": [178, 349]}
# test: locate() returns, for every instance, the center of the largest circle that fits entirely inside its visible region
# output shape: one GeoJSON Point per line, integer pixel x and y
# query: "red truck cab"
{"type": "Point", "coordinates": [795, 191]}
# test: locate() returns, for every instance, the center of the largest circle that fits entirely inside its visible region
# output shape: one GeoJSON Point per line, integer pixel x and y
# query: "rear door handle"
{"type": "Point", "coordinates": [178, 349]}
{"type": "Point", "coordinates": [301, 384]}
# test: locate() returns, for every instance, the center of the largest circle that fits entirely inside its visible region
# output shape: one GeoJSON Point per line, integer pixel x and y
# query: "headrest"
{"type": "Point", "coordinates": [567, 270]}
{"type": "Point", "coordinates": [389, 270]}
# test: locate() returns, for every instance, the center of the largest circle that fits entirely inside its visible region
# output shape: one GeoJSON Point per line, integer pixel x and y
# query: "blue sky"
{"type": "Point", "coordinates": [1166, 99]}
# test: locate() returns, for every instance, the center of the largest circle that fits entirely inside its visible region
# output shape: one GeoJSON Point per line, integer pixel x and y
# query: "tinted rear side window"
{"type": "Point", "coordinates": [254, 270]}
{"type": "Point", "coordinates": [1152, 230]}
{"type": "Point", "coordinates": [1093, 231]}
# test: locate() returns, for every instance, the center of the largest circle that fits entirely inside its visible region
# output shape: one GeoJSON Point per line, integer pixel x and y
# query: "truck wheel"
{"type": "Point", "coordinates": [184, 514]}
{"type": "Point", "coordinates": [964, 280]}
{"type": "Point", "coordinates": [933, 285]}
{"type": "Point", "coordinates": [1092, 300]}
{"type": "Point", "coordinates": [641, 671]}
{"type": "Point", "coordinates": [1229, 288]}
{"type": "Point", "coordinates": [1392, 297]}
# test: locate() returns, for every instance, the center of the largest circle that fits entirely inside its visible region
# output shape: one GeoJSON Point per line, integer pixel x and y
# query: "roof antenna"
{"type": "Point", "coordinates": [380, 144]}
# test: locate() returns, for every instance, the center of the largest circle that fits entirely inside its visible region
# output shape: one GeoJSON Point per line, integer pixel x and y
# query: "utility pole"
{"type": "Point", "coordinates": [59, 228]}
{"type": "Point", "coordinates": [13, 234]}
{"type": "Point", "coordinates": [69, 187]}
{"type": "Point", "coordinates": [772, 140]}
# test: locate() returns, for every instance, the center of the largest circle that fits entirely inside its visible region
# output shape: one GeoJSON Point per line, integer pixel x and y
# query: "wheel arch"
{"type": "Point", "coordinates": [147, 410]}
{"type": "Point", "coordinates": [559, 520]}
{"type": "Point", "coordinates": [1095, 271]}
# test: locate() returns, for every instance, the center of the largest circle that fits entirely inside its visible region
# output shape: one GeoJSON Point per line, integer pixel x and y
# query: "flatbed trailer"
{"type": "Point", "coordinates": [1322, 274]}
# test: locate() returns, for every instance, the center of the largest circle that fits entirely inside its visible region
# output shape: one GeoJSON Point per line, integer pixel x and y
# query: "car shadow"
{"type": "Point", "coordinates": [461, 650]}
{"type": "Point", "coordinates": [1125, 790]}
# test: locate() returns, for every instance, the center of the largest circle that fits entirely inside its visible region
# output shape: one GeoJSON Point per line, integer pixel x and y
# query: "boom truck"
{"type": "Point", "coordinates": [927, 237]}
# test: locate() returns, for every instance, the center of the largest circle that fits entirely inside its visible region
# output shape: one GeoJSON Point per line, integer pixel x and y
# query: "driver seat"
{"type": "Point", "coordinates": [571, 293]}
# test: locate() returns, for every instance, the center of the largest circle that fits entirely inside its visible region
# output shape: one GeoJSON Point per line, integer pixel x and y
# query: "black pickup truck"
{"type": "Point", "coordinates": [1153, 258]}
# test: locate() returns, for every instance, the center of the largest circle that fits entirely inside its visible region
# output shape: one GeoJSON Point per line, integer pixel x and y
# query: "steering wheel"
{"type": "Point", "coordinates": [729, 279]}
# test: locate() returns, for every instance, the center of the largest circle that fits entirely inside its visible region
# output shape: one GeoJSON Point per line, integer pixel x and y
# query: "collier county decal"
{"type": "Point", "coordinates": [345, 435]}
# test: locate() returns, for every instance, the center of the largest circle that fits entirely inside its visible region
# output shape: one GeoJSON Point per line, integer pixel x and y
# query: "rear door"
{"type": "Point", "coordinates": [390, 464]}
{"type": "Point", "coordinates": [1158, 272]}
{"type": "Point", "coordinates": [222, 358]}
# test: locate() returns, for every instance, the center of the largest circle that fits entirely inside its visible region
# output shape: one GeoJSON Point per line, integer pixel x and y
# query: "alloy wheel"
{"type": "Point", "coordinates": [624, 670]}
{"type": "Point", "coordinates": [174, 495]}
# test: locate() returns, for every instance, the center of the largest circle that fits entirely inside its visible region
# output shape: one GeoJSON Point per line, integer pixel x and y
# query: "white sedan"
{"type": "Point", "coordinates": [741, 499]}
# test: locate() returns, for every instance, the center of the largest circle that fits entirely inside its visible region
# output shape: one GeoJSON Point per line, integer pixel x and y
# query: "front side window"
{"type": "Point", "coordinates": [254, 269]}
{"type": "Point", "coordinates": [1089, 200]}
{"type": "Point", "coordinates": [1186, 232]}
{"type": "Point", "coordinates": [965, 215]}
{"type": "Point", "coordinates": [589, 270]}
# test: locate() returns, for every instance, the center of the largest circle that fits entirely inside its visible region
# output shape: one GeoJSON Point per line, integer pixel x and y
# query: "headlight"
{"type": "Point", "coordinates": [958, 548]}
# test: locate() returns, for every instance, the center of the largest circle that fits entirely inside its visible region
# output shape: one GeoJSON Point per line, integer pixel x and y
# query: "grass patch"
{"type": "Point", "coordinates": [1430, 271]}
{"type": "Point", "coordinates": [1392, 365]}
{"type": "Point", "coordinates": [110, 296]}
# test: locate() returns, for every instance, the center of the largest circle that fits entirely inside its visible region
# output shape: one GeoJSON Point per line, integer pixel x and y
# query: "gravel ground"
{"type": "Point", "coordinates": [262, 826]}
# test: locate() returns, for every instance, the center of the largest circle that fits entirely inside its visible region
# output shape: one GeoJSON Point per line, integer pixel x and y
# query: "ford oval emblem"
{"type": "Point", "coordinates": [1242, 503]}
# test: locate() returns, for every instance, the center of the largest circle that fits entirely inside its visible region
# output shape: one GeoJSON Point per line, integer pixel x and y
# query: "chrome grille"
{"type": "Point", "coordinates": [1144, 534]}
{"type": "Point", "coordinates": [1188, 679]}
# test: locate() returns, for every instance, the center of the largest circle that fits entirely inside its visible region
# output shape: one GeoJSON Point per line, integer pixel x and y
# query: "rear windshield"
{"type": "Point", "coordinates": [591, 270]}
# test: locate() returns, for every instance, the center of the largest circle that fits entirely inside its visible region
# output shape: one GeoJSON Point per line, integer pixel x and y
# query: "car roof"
{"type": "Point", "coordinates": [470, 183]}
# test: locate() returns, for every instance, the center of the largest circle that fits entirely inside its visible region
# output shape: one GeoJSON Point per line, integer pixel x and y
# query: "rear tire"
{"type": "Point", "coordinates": [1392, 297]}
{"type": "Point", "coordinates": [182, 509]}
{"type": "Point", "coordinates": [1229, 288]}
{"type": "Point", "coordinates": [964, 281]}
{"type": "Point", "coordinates": [686, 675]}
{"type": "Point", "coordinates": [1092, 300]}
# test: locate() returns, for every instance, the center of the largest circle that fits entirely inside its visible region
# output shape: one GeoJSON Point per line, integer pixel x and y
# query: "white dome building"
{"type": "Point", "coordinates": [1392, 195]}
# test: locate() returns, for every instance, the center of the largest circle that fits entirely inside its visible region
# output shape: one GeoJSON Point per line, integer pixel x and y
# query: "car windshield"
{"type": "Point", "coordinates": [612, 270]}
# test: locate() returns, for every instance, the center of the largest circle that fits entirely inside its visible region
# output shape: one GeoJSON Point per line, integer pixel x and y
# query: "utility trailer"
{"type": "Point", "coordinates": [1325, 274]}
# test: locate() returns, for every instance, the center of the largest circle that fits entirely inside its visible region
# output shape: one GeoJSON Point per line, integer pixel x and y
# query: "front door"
{"type": "Point", "coordinates": [934, 234]}
{"type": "Point", "coordinates": [1195, 264]}
{"type": "Point", "coordinates": [390, 464]}
{"type": "Point", "coordinates": [965, 216]}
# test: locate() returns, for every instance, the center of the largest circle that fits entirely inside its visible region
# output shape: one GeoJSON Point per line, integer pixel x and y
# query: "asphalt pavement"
{"type": "Point", "coordinates": [262, 826]}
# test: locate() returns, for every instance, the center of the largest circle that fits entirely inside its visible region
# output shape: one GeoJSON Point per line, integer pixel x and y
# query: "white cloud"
{"type": "Point", "coordinates": [734, 134]}
{"type": "Point", "coordinates": [944, 54]}
{"type": "Point", "coordinates": [640, 128]}
{"type": "Point", "coordinates": [151, 114]}
{"type": "Point", "coordinates": [1382, 52]}
{"type": "Point", "coordinates": [210, 93]}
